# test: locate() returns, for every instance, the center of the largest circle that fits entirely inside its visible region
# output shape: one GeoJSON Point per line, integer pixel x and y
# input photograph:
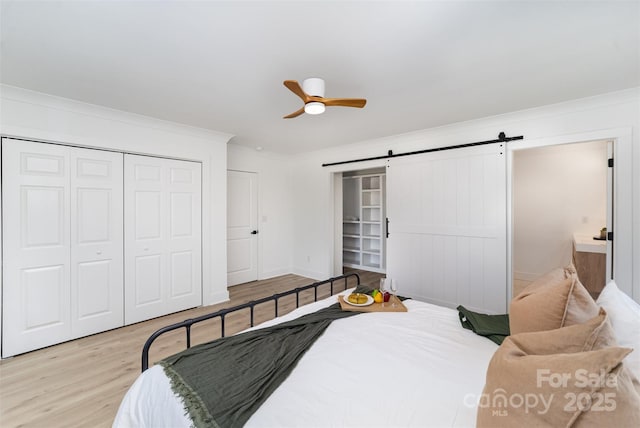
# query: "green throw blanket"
{"type": "Point", "coordinates": [493, 327]}
{"type": "Point", "coordinates": [222, 383]}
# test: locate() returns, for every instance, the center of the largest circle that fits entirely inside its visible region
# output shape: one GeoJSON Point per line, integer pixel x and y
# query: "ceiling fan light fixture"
{"type": "Point", "coordinates": [314, 107]}
{"type": "Point", "coordinates": [312, 95]}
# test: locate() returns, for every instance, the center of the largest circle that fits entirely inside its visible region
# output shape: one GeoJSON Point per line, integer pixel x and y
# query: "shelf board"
{"type": "Point", "coordinates": [374, 252]}
{"type": "Point", "coordinates": [371, 190]}
{"type": "Point", "coordinates": [376, 237]}
{"type": "Point", "coordinates": [350, 236]}
{"type": "Point", "coordinates": [371, 206]}
{"type": "Point", "coordinates": [351, 221]}
{"type": "Point", "coordinates": [371, 222]}
{"type": "Point", "coordinates": [351, 265]}
{"type": "Point", "coordinates": [351, 249]}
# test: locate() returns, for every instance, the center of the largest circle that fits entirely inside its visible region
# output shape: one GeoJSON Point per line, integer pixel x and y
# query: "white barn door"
{"type": "Point", "coordinates": [162, 211]}
{"type": "Point", "coordinates": [447, 226]}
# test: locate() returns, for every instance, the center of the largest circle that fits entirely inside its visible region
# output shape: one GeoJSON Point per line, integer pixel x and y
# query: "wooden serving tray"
{"type": "Point", "coordinates": [375, 307]}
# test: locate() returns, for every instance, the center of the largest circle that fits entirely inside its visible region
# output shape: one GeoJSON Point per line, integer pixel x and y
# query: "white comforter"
{"type": "Point", "coordinates": [418, 368]}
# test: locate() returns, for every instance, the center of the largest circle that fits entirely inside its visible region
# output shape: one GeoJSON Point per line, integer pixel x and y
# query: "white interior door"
{"type": "Point", "coordinates": [96, 241]}
{"type": "Point", "coordinates": [447, 227]}
{"type": "Point", "coordinates": [242, 232]}
{"type": "Point", "coordinates": [163, 266]}
{"type": "Point", "coordinates": [36, 264]}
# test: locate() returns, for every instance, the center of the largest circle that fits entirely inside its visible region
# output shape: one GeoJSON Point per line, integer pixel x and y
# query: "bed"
{"type": "Point", "coordinates": [416, 368]}
{"type": "Point", "coordinates": [422, 368]}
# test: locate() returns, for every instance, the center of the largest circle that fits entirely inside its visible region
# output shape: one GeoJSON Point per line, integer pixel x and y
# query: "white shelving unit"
{"type": "Point", "coordinates": [363, 233]}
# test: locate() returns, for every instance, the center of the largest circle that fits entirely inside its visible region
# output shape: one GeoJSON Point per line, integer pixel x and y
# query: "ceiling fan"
{"type": "Point", "coordinates": [312, 94]}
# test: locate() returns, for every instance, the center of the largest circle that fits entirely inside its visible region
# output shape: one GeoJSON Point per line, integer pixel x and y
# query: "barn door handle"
{"type": "Point", "coordinates": [254, 232]}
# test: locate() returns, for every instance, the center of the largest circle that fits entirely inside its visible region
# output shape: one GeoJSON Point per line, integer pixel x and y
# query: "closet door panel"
{"type": "Point", "coordinates": [35, 200]}
{"type": "Point", "coordinates": [184, 231]}
{"type": "Point", "coordinates": [148, 280]}
{"type": "Point", "coordinates": [162, 237]}
{"type": "Point", "coordinates": [145, 265]}
{"type": "Point", "coordinates": [97, 243]}
{"type": "Point", "coordinates": [43, 297]}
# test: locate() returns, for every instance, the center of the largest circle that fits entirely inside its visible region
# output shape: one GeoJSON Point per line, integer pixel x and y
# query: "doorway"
{"type": "Point", "coordinates": [360, 219]}
{"type": "Point", "coordinates": [561, 205]}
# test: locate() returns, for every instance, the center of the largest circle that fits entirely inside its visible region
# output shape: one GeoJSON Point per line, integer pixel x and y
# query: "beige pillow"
{"type": "Point", "coordinates": [557, 299]}
{"type": "Point", "coordinates": [596, 333]}
{"type": "Point", "coordinates": [565, 377]}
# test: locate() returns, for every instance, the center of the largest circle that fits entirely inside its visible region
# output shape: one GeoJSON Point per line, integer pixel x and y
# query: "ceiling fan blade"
{"type": "Point", "coordinates": [345, 102]}
{"type": "Point", "coordinates": [295, 87]}
{"type": "Point", "coordinates": [295, 113]}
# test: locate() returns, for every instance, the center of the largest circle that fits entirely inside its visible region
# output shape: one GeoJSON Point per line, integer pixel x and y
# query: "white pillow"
{"type": "Point", "coordinates": [624, 314]}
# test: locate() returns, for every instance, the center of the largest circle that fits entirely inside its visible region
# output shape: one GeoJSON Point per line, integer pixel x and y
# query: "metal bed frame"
{"type": "Point", "coordinates": [186, 324]}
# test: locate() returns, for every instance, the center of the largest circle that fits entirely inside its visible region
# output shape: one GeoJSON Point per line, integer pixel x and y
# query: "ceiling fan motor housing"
{"type": "Point", "coordinates": [313, 86]}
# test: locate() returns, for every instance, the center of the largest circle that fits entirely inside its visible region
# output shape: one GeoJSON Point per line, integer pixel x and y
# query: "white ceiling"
{"type": "Point", "coordinates": [220, 65]}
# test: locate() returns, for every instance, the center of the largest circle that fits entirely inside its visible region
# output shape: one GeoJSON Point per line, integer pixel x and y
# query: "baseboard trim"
{"type": "Point", "coordinates": [315, 275]}
{"type": "Point", "coordinates": [274, 273]}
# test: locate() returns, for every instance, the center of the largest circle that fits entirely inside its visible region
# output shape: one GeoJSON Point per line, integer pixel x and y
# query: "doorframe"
{"type": "Point", "coordinates": [335, 207]}
{"type": "Point", "coordinates": [622, 189]}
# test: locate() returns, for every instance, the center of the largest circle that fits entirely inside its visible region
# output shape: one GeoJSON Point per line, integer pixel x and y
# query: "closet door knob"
{"type": "Point", "coordinates": [254, 232]}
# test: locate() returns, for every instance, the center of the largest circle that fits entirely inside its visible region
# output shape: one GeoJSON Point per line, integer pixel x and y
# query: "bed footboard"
{"type": "Point", "coordinates": [186, 324]}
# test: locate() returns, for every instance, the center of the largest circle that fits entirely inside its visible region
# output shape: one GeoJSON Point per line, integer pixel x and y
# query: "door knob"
{"type": "Point", "coordinates": [254, 232]}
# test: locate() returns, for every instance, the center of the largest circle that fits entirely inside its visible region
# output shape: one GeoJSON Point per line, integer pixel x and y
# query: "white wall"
{"type": "Point", "coordinates": [32, 115]}
{"type": "Point", "coordinates": [615, 115]}
{"type": "Point", "coordinates": [557, 191]}
{"type": "Point", "coordinates": [296, 192]}
{"type": "Point", "coordinates": [275, 206]}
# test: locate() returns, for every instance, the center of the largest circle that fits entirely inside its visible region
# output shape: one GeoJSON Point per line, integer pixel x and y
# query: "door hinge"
{"type": "Point", "coordinates": [609, 236]}
{"type": "Point", "coordinates": [610, 162]}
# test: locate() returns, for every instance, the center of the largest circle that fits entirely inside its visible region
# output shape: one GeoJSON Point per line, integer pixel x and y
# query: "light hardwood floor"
{"type": "Point", "coordinates": [81, 383]}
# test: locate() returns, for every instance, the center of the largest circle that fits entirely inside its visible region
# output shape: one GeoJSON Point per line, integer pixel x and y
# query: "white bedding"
{"type": "Point", "coordinates": [418, 368]}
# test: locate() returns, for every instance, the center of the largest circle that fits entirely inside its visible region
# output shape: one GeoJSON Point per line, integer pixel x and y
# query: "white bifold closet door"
{"type": "Point", "coordinates": [162, 236]}
{"type": "Point", "coordinates": [447, 225]}
{"type": "Point", "coordinates": [62, 243]}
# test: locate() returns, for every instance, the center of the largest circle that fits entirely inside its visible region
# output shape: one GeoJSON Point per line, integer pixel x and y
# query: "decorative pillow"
{"type": "Point", "coordinates": [555, 300]}
{"type": "Point", "coordinates": [624, 314]}
{"type": "Point", "coordinates": [560, 378]}
{"type": "Point", "coordinates": [594, 334]}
